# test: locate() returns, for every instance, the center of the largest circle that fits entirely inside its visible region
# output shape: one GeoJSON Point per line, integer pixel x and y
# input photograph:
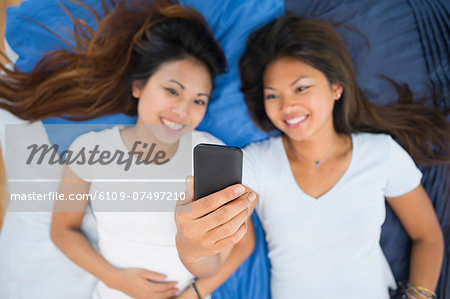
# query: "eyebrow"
{"type": "Point", "coordinates": [203, 94]}
{"type": "Point", "coordinates": [301, 77]}
{"type": "Point", "coordinates": [175, 81]}
{"type": "Point", "coordinates": [293, 83]}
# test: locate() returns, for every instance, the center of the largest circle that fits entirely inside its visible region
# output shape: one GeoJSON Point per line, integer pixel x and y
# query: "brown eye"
{"type": "Point", "coordinates": [171, 91]}
{"type": "Point", "coordinates": [271, 96]}
{"type": "Point", "coordinates": [301, 88]}
{"type": "Point", "coordinates": [200, 102]}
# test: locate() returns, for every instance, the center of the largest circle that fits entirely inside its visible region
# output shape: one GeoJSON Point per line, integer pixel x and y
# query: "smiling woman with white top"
{"type": "Point", "coordinates": [323, 183]}
{"type": "Point", "coordinates": [155, 59]}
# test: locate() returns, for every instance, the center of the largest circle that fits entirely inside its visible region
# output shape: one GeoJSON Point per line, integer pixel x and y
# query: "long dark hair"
{"type": "Point", "coordinates": [94, 77]}
{"type": "Point", "coordinates": [423, 131]}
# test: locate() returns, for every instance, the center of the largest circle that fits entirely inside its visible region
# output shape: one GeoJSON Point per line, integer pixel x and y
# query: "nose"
{"type": "Point", "coordinates": [181, 108]}
{"type": "Point", "coordinates": [288, 103]}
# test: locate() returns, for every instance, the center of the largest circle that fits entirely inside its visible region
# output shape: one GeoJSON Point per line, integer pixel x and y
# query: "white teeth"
{"type": "Point", "coordinates": [172, 125]}
{"type": "Point", "coordinates": [175, 127]}
{"type": "Point", "coordinates": [296, 120]}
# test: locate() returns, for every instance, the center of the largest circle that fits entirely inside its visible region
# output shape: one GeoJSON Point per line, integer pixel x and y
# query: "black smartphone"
{"type": "Point", "coordinates": [215, 168]}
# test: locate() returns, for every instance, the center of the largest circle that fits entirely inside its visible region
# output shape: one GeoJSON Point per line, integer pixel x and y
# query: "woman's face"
{"type": "Point", "coordinates": [174, 99]}
{"type": "Point", "coordinates": [299, 99]}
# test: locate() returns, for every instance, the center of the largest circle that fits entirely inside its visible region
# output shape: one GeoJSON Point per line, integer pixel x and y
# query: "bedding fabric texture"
{"type": "Point", "coordinates": [409, 41]}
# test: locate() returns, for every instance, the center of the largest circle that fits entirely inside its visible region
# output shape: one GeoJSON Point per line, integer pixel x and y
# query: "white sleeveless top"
{"type": "Point", "coordinates": [136, 239]}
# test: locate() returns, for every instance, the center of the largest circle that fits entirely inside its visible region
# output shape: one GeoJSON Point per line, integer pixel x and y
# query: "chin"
{"type": "Point", "coordinates": [296, 136]}
{"type": "Point", "coordinates": [164, 138]}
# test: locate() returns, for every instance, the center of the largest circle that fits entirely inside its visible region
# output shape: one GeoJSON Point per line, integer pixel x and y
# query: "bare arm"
{"type": "Point", "coordinates": [66, 234]}
{"type": "Point", "coordinates": [418, 217]}
{"type": "Point", "coordinates": [237, 256]}
{"type": "Point", "coordinates": [65, 229]}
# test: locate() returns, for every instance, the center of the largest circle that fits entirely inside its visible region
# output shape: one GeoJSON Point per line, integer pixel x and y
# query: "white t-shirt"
{"type": "Point", "coordinates": [329, 247]}
{"type": "Point", "coordinates": [31, 266]}
{"type": "Point", "coordinates": [136, 239]}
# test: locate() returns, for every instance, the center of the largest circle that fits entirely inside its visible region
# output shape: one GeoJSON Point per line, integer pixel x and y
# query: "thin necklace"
{"type": "Point", "coordinates": [317, 163]}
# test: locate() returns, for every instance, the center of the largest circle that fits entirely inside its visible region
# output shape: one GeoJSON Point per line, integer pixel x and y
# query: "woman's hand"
{"type": "Point", "coordinates": [142, 284]}
{"type": "Point", "coordinates": [211, 225]}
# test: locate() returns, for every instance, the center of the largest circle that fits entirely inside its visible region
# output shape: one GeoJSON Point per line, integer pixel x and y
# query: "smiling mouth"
{"type": "Point", "coordinates": [171, 125]}
{"type": "Point", "coordinates": [296, 121]}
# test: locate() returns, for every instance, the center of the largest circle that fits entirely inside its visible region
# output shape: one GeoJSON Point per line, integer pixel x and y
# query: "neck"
{"type": "Point", "coordinates": [316, 148]}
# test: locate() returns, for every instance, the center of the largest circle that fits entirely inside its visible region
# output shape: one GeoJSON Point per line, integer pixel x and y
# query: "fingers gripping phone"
{"type": "Point", "coordinates": [215, 168]}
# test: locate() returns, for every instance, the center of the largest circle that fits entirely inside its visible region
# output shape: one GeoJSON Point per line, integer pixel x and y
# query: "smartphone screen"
{"type": "Point", "coordinates": [215, 168]}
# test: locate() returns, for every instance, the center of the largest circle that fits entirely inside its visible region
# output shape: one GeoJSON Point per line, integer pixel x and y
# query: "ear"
{"type": "Point", "coordinates": [136, 89]}
{"type": "Point", "coordinates": [337, 91]}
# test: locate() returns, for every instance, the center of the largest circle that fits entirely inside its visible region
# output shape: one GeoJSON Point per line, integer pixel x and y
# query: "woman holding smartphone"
{"type": "Point", "coordinates": [154, 59]}
{"type": "Point", "coordinates": [323, 183]}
